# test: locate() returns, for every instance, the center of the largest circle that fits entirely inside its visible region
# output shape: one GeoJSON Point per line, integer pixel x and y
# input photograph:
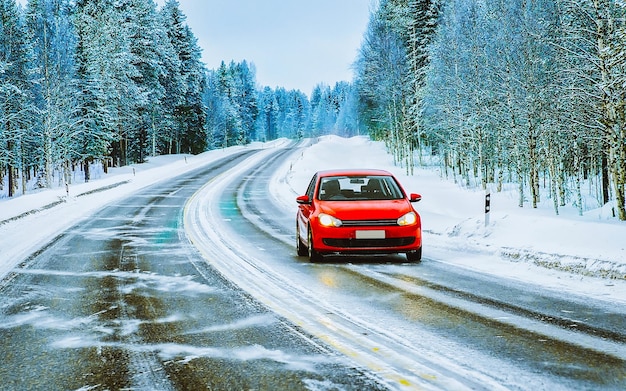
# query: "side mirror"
{"type": "Point", "coordinates": [415, 197]}
{"type": "Point", "coordinates": [303, 200]}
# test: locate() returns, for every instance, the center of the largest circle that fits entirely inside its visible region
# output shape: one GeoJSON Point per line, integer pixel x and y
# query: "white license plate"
{"type": "Point", "coordinates": [371, 234]}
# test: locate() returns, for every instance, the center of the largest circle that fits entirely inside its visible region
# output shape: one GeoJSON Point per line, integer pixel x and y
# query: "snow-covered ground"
{"type": "Point", "coordinates": [585, 255]}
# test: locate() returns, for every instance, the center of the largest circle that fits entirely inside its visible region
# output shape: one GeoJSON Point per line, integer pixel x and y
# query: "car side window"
{"type": "Point", "coordinates": [310, 191]}
{"type": "Point", "coordinates": [391, 188]}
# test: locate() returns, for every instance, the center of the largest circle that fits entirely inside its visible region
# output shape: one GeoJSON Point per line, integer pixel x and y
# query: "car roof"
{"type": "Point", "coordinates": [354, 171]}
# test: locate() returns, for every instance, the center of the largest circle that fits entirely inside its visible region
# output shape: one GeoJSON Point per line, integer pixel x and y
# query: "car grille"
{"type": "Point", "coordinates": [369, 223]}
{"type": "Point", "coordinates": [363, 243]}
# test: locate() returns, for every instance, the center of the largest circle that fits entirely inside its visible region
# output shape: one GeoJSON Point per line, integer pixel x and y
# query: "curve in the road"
{"type": "Point", "coordinates": [123, 301]}
{"type": "Point", "coordinates": [254, 248]}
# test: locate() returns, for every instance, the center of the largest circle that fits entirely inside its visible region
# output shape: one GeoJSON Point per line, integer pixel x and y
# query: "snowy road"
{"type": "Point", "coordinates": [124, 301]}
{"type": "Point", "coordinates": [425, 326]}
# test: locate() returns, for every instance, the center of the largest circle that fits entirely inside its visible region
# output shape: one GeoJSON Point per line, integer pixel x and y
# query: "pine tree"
{"type": "Point", "coordinates": [268, 118]}
{"type": "Point", "coordinates": [52, 41]}
{"type": "Point", "coordinates": [166, 140]}
{"type": "Point", "coordinates": [146, 35]}
{"type": "Point", "coordinates": [347, 123]}
{"type": "Point", "coordinates": [15, 106]}
{"type": "Point", "coordinates": [188, 117]}
{"type": "Point", "coordinates": [105, 75]}
{"type": "Point", "coordinates": [246, 95]}
{"type": "Point", "coordinates": [381, 69]}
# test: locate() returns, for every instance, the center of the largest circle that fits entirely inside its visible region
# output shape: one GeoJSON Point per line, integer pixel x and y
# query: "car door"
{"type": "Point", "coordinates": [306, 209]}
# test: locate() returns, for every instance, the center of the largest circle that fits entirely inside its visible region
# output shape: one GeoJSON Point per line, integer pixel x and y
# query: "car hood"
{"type": "Point", "coordinates": [366, 210]}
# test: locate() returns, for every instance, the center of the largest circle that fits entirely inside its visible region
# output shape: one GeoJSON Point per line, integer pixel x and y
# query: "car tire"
{"type": "Point", "coordinates": [314, 256]}
{"type": "Point", "coordinates": [301, 249]}
{"type": "Point", "coordinates": [414, 256]}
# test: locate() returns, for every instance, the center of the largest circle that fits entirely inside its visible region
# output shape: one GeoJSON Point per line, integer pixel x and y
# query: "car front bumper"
{"type": "Point", "coordinates": [381, 240]}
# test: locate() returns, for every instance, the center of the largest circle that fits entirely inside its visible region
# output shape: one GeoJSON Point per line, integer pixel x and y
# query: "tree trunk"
{"type": "Point", "coordinates": [11, 180]}
{"type": "Point", "coordinates": [87, 172]}
{"type": "Point", "coordinates": [606, 196]}
{"type": "Point", "coordinates": [579, 193]}
{"type": "Point", "coordinates": [554, 185]}
{"type": "Point", "coordinates": [520, 179]}
{"type": "Point", "coordinates": [24, 180]}
{"type": "Point", "coordinates": [48, 162]}
{"type": "Point", "coordinates": [67, 173]}
{"type": "Point", "coordinates": [11, 172]}
{"type": "Point", "coordinates": [534, 172]}
{"type": "Point", "coordinates": [618, 166]}
{"type": "Point", "coordinates": [123, 150]}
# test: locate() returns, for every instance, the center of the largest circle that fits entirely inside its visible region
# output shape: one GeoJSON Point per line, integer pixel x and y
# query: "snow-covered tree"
{"type": "Point", "coordinates": [324, 110]}
{"type": "Point", "coordinates": [390, 73]}
{"type": "Point", "coordinates": [188, 118]}
{"type": "Point", "coordinates": [105, 72]}
{"type": "Point", "coordinates": [282, 113]}
{"type": "Point", "coordinates": [232, 98]}
{"type": "Point", "coordinates": [592, 39]}
{"type": "Point", "coordinates": [147, 43]}
{"type": "Point", "coordinates": [530, 92]}
{"type": "Point", "coordinates": [268, 117]}
{"type": "Point", "coordinates": [52, 41]}
{"type": "Point", "coordinates": [15, 99]}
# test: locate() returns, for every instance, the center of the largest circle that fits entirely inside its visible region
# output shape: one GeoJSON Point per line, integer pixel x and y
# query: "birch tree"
{"type": "Point", "coordinates": [592, 42]}
{"type": "Point", "coordinates": [497, 68]}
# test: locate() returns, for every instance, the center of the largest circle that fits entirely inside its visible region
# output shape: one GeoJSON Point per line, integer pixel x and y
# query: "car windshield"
{"type": "Point", "coordinates": [358, 188]}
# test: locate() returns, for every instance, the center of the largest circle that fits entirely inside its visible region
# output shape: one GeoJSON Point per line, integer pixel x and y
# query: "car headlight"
{"type": "Point", "coordinates": [329, 221]}
{"type": "Point", "coordinates": [408, 219]}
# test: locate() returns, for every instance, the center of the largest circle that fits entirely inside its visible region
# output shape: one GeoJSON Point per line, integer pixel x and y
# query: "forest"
{"type": "Point", "coordinates": [113, 82]}
{"type": "Point", "coordinates": [522, 92]}
{"type": "Point", "coordinates": [529, 93]}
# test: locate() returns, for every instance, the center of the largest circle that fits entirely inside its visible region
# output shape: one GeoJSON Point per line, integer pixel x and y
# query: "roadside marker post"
{"type": "Point", "coordinates": [487, 207]}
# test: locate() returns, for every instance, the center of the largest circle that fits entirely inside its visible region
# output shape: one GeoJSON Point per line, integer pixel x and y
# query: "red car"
{"type": "Point", "coordinates": [357, 212]}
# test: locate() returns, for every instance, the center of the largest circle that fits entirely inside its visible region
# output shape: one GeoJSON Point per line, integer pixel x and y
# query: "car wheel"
{"type": "Point", "coordinates": [314, 256]}
{"type": "Point", "coordinates": [301, 249]}
{"type": "Point", "coordinates": [414, 256]}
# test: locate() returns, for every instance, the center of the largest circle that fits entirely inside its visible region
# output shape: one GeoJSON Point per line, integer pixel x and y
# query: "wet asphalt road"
{"type": "Point", "coordinates": [123, 301]}
{"type": "Point", "coordinates": [514, 334]}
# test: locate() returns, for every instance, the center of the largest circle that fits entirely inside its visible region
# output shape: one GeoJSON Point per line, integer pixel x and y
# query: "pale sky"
{"type": "Point", "coordinates": [294, 44]}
